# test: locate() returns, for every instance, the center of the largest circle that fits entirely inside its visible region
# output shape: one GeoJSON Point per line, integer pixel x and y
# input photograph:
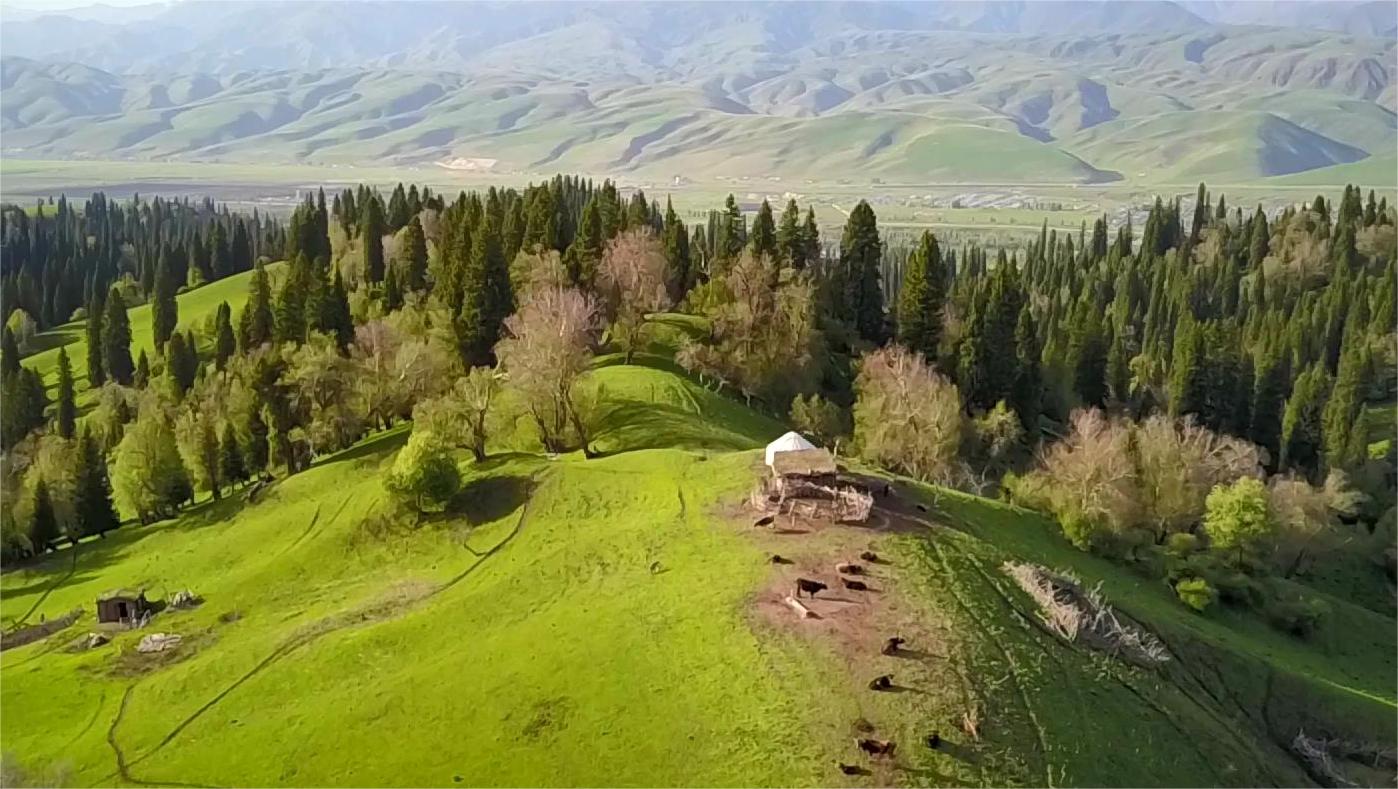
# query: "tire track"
{"type": "Point", "coordinates": [326, 627]}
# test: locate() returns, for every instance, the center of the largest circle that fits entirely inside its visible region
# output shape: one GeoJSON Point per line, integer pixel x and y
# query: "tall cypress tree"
{"type": "Point", "coordinates": [923, 298]}
{"type": "Point", "coordinates": [224, 343]}
{"type": "Point", "coordinates": [1088, 357]}
{"type": "Point", "coordinates": [763, 238]}
{"type": "Point", "coordinates": [230, 457]}
{"type": "Point", "coordinates": [66, 418]}
{"type": "Point", "coordinates": [861, 258]}
{"type": "Point", "coordinates": [371, 231]}
{"type": "Point", "coordinates": [181, 362]}
{"type": "Point", "coordinates": [415, 256]}
{"type": "Point", "coordinates": [92, 491]}
{"type": "Point", "coordinates": [141, 379]}
{"type": "Point", "coordinates": [1029, 385]}
{"type": "Point", "coordinates": [489, 299]}
{"type": "Point", "coordinates": [255, 456]}
{"type": "Point", "coordinates": [1302, 432]}
{"type": "Point", "coordinates": [116, 340]}
{"type": "Point", "coordinates": [43, 522]}
{"type": "Point", "coordinates": [791, 247]}
{"type": "Point", "coordinates": [164, 308]}
{"type": "Point", "coordinates": [1344, 406]}
{"type": "Point", "coordinates": [96, 309]}
{"type": "Point", "coordinates": [257, 313]}
{"type": "Point", "coordinates": [678, 264]}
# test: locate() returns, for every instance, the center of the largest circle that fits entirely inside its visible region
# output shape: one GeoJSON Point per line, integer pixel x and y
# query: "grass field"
{"type": "Point", "coordinates": [196, 309]}
{"type": "Point", "coordinates": [607, 622]}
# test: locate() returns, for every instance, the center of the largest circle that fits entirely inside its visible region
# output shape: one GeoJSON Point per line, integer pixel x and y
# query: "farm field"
{"type": "Point", "coordinates": [614, 621]}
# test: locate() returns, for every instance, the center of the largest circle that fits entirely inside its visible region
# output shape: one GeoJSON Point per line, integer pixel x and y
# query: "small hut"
{"type": "Point", "coordinates": [804, 479]}
{"type": "Point", "coordinates": [125, 606]}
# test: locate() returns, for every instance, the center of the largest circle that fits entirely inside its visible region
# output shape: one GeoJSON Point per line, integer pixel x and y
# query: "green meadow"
{"type": "Point", "coordinates": [602, 622]}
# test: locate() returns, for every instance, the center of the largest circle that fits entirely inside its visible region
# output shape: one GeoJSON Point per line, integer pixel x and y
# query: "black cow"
{"type": "Point", "coordinates": [876, 747]}
{"type": "Point", "coordinates": [850, 769]}
{"type": "Point", "coordinates": [809, 587]}
{"type": "Point", "coordinates": [849, 569]}
{"type": "Point", "coordinates": [884, 682]}
{"type": "Point", "coordinates": [779, 559]}
{"type": "Point", "coordinates": [766, 520]}
{"type": "Point", "coordinates": [890, 647]}
{"type": "Point", "coordinates": [858, 586]}
{"type": "Point", "coordinates": [869, 556]}
{"type": "Point", "coordinates": [934, 740]}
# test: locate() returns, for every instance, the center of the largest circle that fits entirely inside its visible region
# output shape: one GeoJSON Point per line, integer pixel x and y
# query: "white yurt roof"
{"type": "Point", "coordinates": [790, 442]}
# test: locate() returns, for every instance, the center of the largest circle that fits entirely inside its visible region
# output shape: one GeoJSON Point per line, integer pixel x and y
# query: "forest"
{"type": "Point", "coordinates": [1205, 402]}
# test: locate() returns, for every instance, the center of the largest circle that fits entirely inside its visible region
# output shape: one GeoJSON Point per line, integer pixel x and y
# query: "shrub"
{"type": "Point", "coordinates": [1195, 593]}
{"type": "Point", "coordinates": [1299, 616]}
{"type": "Point", "coordinates": [424, 475]}
{"type": "Point", "coordinates": [1237, 516]}
{"type": "Point", "coordinates": [1181, 544]}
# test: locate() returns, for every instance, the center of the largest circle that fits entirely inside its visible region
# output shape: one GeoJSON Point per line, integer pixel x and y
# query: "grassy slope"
{"type": "Point", "coordinates": [196, 307]}
{"type": "Point", "coordinates": [562, 658]}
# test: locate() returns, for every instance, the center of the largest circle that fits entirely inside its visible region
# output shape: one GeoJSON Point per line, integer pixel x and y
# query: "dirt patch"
{"type": "Point", "coordinates": [128, 663]}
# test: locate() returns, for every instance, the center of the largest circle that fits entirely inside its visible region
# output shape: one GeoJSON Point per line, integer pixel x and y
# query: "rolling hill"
{"type": "Point", "coordinates": [934, 92]}
{"type": "Point", "coordinates": [616, 621]}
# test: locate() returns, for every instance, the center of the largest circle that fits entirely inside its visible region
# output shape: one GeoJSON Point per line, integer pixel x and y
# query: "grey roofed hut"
{"type": "Point", "coordinates": [122, 605]}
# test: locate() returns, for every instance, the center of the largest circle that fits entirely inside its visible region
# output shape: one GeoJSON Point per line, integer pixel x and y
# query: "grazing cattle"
{"type": "Point", "coordinates": [922, 508]}
{"type": "Point", "coordinates": [884, 682]}
{"type": "Point", "coordinates": [934, 740]}
{"type": "Point", "coordinates": [779, 559]}
{"type": "Point", "coordinates": [857, 586]}
{"type": "Point", "coordinates": [890, 647]}
{"type": "Point", "coordinates": [849, 569]}
{"type": "Point", "coordinates": [809, 587]}
{"type": "Point", "coordinates": [887, 491]}
{"type": "Point", "coordinates": [869, 556]}
{"type": "Point", "coordinates": [876, 747]}
{"type": "Point", "coordinates": [766, 520]}
{"type": "Point", "coordinates": [850, 769]}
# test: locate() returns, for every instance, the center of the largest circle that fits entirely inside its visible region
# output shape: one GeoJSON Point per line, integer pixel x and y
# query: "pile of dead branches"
{"type": "Point", "coordinates": [1075, 614]}
{"type": "Point", "coordinates": [1320, 754]}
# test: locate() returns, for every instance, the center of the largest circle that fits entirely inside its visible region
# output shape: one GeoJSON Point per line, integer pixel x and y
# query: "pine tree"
{"type": "Point", "coordinates": [224, 344]}
{"type": "Point", "coordinates": [763, 238]}
{"type": "Point", "coordinates": [1344, 406]}
{"type": "Point", "coordinates": [1189, 382]}
{"type": "Point", "coordinates": [397, 209]}
{"type": "Point", "coordinates": [258, 311]}
{"type": "Point", "coordinates": [415, 256]}
{"type": "Point", "coordinates": [181, 361]}
{"type": "Point", "coordinates": [291, 302]}
{"type": "Point", "coordinates": [1269, 392]}
{"type": "Point", "coordinates": [1302, 432]}
{"type": "Point", "coordinates": [230, 457]}
{"type": "Point", "coordinates": [142, 377]}
{"type": "Point", "coordinates": [489, 299]}
{"type": "Point", "coordinates": [585, 253]}
{"type": "Point", "coordinates": [96, 371]}
{"type": "Point", "coordinates": [392, 294]}
{"type": "Point", "coordinates": [371, 228]}
{"type": "Point", "coordinates": [335, 317]}
{"type": "Point", "coordinates": [1119, 371]}
{"type": "Point", "coordinates": [66, 418]}
{"type": "Point", "coordinates": [678, 264]}
{"type": "Point", "coordinates": [23, 401]}
{"type": "Point", "coordinates": [1028, 389]}
{"type": "Point", "coordinates": [92, 491]}
{"type": "Point", "coordinates": [256, 452]}
{"type": "Point", "coordinates": [791, 246]}
{"type": "Point", "coordinates": [733, 231]}
{"type": "Point", "coordinates": [43, 522]}
{"type": "Point", "coordinates": [9, 353]}
{"type": "Point", "coordinates": [861, 258]}
{"type": "Point", "coordinates": [164, 309]}
{"type": "Point", "coordinates": [1087, 355]}
{"type": "Point", "coordinates": [923, 297]}
{"type": "Point", "coordinates": [220, 255]}
{"type": "Point", "coordinates": [210, 457]}
{"type": "Point", "coordinates": [116, 340]}
{"type": "Point", "coordinates": [810, 236]}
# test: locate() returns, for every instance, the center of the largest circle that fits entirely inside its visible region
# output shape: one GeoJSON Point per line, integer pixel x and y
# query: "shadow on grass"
{"type": "Point", "coordinates": [489, 499]}
{"type": "Point", "coordinates": [390, 439]}
{"type": "Point", "coordinates": [636, 425]}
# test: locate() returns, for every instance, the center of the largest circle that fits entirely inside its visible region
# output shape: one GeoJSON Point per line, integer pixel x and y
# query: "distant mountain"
{"type": "Point", "coordinates": [968, 91]}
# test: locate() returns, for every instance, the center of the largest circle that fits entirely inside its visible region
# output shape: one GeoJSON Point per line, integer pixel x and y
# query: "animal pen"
{"type": "Point", "coordinates": [807, 483]}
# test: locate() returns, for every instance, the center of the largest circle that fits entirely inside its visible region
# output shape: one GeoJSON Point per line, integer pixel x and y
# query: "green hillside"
{"type": "Point", "coordinates": [615, 621]}
{"type": "Point", "coordinates": [196, 310]}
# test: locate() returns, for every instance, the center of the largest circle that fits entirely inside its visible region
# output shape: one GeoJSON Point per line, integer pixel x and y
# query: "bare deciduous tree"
{"type": "Point", "coordinates": [907, 417]}
{"type": "Point", "coordinates": [1306, 522]}
{"type": "Point", "coordinates": [548, 348]}
{"type": "Point", "coordinates": [1179, 463]}
{"type": "Point", "coordinates": [632, 283]}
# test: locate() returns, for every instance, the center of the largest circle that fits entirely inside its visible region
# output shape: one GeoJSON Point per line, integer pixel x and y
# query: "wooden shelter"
{"type": "Point", "coordinates": [125, 606]}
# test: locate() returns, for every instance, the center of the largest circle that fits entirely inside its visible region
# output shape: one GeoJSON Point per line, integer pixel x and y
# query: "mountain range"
{"type": "Point", "coordinates": [908, 92]}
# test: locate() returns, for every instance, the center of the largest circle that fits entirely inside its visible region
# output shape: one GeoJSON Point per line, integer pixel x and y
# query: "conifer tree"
{"type": "Point", "coordinates": [142, 377]}
{"type": "Point", "coordinates": [861, 258]}
{"type": "Point", "coordinates": [810, 235]}
{"type": "Point", "coordinates": [415, 256]}
{"type": "Point", "coordinates": [66, 418]}
{"type": "Point", "coordinates": [1344, 406]}
{"type": "Point", "coordinates": [922, 299]}
{"type": "Point", "coordinates": [392, 294]}
{"type": "Point", "coordinates": [763, 238]}
{"type": "Point", "coordinates": [96, 309]}
{"type": "Point", "coordinates": [230, 457]}
{"type": "Point", "coordinates": [397, 209]}
{"type": "Point", "coordinates": [92, 490]}
{"type": "Point", "coordinates": [1118, 371]}
{"type": "Point", "coordinates": [256, 456]}
{"type": "Point", "coordinates": [291, 302]}
{"type": "Point", "coordinates": [258, 311]}
{"type": "Point", "coordinates": [335, 317]}
{"type": "Point", "coordinates": [210, 457]}
{"type": "Point", "coordinates": [1301, 430]}
{"type": "Point", "coordinates": [1269, 392]}
{"type": "Point", "coordinates": [116, 340]}
{"type": "Point", "coordinates": [43, 522]}
{"type": "Point", "coordinates": [1189, 382]}
{"type": "Point", "coordinates": [678, 264]}
{"type": "Point", "coordinates": [488, 301]}
{"type": "Point", "coordinates": [791, 246]}
{"type": "Point", "coordinates": [224, 344]}
{"type": "Point", "coordinates": [181, 362]}
{"type": "Point", "coordinates": [1027, 398]}
{"type": "Point", "coordinates": [220, 255]}
{"type": "Point", "coordinates": [733, 231]}
{"type": "Point", "coordinates": [371, 229]}
{"type": "Point", "coordinates": [164, 309]}
{"type": "Point", "coordinates": [585, 253]}
{"type": "Point", "coordinates": [1087, 356]}
{"type": "Point", "coordinates": [9, 353]}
